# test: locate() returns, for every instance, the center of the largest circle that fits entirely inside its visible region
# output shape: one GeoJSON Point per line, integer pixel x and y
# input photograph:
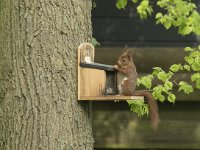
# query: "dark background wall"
{"type": "Point", "coordinates": [115, 127]}
{"type": "Point", "coordinates": [113, 27]}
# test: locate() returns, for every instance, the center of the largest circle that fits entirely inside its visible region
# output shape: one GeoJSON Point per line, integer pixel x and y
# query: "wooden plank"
{"type": "Point", "coordinates": [79, 71]}
{"type": "Point", "coordinates": [111, 98]}
{"type": "Point", "coordinates": [82, 51]}
{"type": "Point", "coordinates": [92, 82]}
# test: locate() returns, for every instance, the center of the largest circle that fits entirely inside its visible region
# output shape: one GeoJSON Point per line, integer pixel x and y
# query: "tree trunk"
{"type": "Point", "coordinates": [38, 75]}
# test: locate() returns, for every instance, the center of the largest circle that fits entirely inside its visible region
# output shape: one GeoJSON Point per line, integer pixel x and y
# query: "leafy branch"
{"type": "Point", "coordinates": [164, 90]}
{"type": "Point", "coordinates": [183, 15]}
{"type": "Point", "coordinates": [143, 9]}
{"type": "Point", "coordinates": [139, 107]}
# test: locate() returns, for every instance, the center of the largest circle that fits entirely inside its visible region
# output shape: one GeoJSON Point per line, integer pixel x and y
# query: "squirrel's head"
{"type": "Point", "coordinates": [125, 58]}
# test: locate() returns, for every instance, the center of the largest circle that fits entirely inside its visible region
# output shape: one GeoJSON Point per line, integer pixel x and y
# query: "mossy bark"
{"type": "Point", "coordinates": [38, 76]}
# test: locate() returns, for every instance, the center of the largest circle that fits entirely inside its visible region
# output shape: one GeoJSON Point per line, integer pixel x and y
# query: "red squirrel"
{"type": "Point", "coordinates": [127, 81]}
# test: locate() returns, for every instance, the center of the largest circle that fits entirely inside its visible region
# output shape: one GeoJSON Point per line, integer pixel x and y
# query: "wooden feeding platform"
{"type": "Point", "coordinates": [97, 81]}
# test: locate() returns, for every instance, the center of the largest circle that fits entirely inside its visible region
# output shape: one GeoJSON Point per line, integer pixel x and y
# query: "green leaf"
{"type": "Point", "coordinates": [134, 1]}
{"type": "Point", "coordinates": [184, 30]}
{"type": "Point", "coordinates": [195, 54]}
{"type": "Point", "coordinates": [195, 77]}
{"type": "Point", "coordinates": [190, 60]}
{"type": "Point", "coordinates": [161, 3]}
{"type": "Point", "coordinates": [198, 84]}
{"type": "Point", "coordinates": [95, 42]}
{"type": "Point", "coordinates": [196, 65]}
{"type": "Point", "coordinates": [170, 74]}
{"type": "Point", "coordinates": [171, 98]}
{"type": "Point", "coordinates": [168, 85]}
{"type": "Point", "coordinates": [186, 67]}
{"type": "Point", "coordinates": [161, 98]}
{"type": "Point", "coordinates": [184, 86]}
{"type": "Point", "coordinates": [167, 25]}
{"type": "Point", "coordinates": [157, 92]}
{"type": "Point", "coordinates": [146, 81]}
{"type": "Point", "coordinates": [162, 76]}
{"type": "Point", "coordinates": [188, 49]}
{"type": "Point", "coordinates": [156, 70]}
{"type": "Point", "coordinates": [149, 10]}
{"type": "Point", "coordinates": [144, 9]}
{"type": "Point", "coordinates": [121, 4]}
{"type": "Point", "coordinates": [176, 67]}
{"type": "Point", "coordinates": [199, 47]}
{"type": "Point", "coordinates": [159, 15]}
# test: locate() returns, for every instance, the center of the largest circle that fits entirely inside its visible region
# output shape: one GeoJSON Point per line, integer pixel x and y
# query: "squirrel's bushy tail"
{"type": "Point", "coordinates": [154, 115]}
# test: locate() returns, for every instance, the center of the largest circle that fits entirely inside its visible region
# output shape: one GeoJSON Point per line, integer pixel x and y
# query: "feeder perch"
{"type": "Point", "coordinates": [97, 81]}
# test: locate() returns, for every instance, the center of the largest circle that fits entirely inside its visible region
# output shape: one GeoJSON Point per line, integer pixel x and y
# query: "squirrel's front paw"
{"type": "Point", "coordinates": [115, 67]}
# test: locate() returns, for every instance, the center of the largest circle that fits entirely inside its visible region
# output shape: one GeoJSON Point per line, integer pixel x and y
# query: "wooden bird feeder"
{"type": "Point", "coordinates": [97, 81]}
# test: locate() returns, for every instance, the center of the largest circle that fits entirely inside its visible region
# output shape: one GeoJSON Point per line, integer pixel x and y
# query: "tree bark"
{"type": "Point", "coordinates": [38, 76]}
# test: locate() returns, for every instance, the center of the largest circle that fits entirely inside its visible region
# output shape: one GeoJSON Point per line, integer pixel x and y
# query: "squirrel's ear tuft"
{"type": "Point", "coordinates": [126, 47]}
{"type": "Point", "coordinates": [127, 51]}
